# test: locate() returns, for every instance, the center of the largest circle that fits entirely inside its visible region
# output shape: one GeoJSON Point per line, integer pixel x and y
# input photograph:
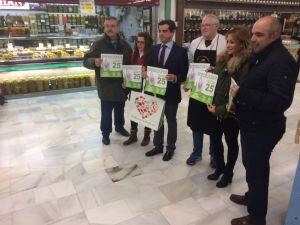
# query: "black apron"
{"type": "Point", "coordinates": [199, 118]}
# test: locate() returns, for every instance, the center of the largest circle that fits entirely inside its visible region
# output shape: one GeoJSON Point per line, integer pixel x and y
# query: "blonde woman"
{"type": "Point", "coordinates": [231, 64]}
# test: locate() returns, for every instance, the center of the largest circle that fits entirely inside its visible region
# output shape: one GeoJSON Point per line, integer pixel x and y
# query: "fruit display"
{"type": "Point", "coordinates": [45, 83]}
{"type": "Point", "coordinates": [50, 55]}
{"type": "Point", "coordinates": [78, 53]}
{"type": "Point", "coordinates": [42, 53]}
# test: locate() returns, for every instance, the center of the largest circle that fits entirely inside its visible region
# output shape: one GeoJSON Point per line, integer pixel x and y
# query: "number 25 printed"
{"type": "Point", "coordinates": [161, 80]}
{"type": "Point", "coordinates": [116, 65]}
{"type": "Point", "coordinates": [209, 88]}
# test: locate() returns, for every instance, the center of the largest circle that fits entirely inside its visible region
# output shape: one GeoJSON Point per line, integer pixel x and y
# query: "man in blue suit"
{"type": "Point", "coordinates": [169, 55]}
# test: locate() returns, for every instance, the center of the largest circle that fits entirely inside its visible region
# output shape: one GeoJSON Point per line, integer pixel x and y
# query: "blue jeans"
{"type": "Point", "coordinates": [198, 143]}
{"type": "Point", "coordinates": [106, 116]}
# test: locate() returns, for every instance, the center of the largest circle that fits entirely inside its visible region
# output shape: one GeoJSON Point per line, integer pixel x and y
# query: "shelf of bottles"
{"type": "Point", "coordinates": [289, 3]}
{"type": "Point", "coordinates": [56, 19]}
{"type": "Point", "coordinates": [228, 19]}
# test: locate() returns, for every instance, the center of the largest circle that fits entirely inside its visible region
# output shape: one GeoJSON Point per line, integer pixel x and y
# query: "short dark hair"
{"type": "Point", "coordinates": [112, 18]}
{"type": "Point", "coordinates": [171, 23]}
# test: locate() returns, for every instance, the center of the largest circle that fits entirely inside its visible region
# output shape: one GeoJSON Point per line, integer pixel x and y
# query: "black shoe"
{"type": "Point", "coordinates": [146, 138]}
{"type": "Point", "coordinates": [215, 175]}
{"type": "Point", "coordinates": [132, 138]}
{"type": "Point", "coordinates": [105, 140]}
{"type": "Point", "coordinates": [238, 199]}
{"type": "Point", "coordinates": [154, 151]}
{"type": "Point", "coordinates": [168, 155]}
{"type": "Point", "coordinates": [123, 132]}
{"type": "Point", "coordinates": [224, 181]}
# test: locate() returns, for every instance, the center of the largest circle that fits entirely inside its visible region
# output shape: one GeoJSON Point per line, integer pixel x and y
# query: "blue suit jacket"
{"type": "Point", "coordinates": [177, 64]}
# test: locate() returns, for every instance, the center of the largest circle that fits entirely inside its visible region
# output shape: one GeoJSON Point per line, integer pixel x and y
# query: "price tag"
{"type": "Point", "coordinates": [10, 46]}
{"type": "Point", "coordinates": [68, 26]}
{"type": "Point", "coordinates": [81, 48]}
{"type": "Point", "coordinates": [61, 28]}
{"type": "Point", "coordinates": [49, 45]}
{"type": "Point", "coordinates": [67, 46]}
{"type": "Point", "coordinates": [41, 45]}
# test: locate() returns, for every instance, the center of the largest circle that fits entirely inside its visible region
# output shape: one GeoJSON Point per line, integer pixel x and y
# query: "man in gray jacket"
{"type": "Point", "coordinates": [110, 90]}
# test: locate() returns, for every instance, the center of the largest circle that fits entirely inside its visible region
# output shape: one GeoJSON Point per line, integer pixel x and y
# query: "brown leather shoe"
{"type": "Point", "coordinates": [245, 220]}
{"type": "Point", "coordinates": [238, 199]}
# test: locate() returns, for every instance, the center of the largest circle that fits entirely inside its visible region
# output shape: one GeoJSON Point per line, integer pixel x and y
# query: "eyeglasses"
{"type": "Point", "coordinates": [207, 25]}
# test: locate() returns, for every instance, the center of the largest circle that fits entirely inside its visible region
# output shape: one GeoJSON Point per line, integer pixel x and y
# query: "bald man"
{"type": "Point", "coordinates": [266, 92]}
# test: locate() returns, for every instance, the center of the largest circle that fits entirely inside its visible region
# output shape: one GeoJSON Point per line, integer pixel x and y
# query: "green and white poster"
{"type": "Point", "coordinates": [204, 87]}
{"type": "Point", "coordinates": [157, 80]}
{"type": "Point", "coordinates": [111, 66]}
{"type": "Point", "coordinates": [194, 70]}
{"type": "Point", "coordinates": [132, 76]}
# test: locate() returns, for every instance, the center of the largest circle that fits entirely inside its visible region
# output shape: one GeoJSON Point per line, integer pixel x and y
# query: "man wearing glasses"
{"type": "Point", "coordinates": [203, 49]}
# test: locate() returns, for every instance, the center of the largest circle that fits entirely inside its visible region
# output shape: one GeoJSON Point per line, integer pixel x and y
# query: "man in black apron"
{"type": "Point", "coordinates": [203, 50]}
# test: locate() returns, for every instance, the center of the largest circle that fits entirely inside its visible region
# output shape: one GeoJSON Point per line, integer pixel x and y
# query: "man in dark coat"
{"type": "Point", "coordinates": [169, 55]}
{"type": "Point", "coordinates": [260, 101]}
{"type": "Point", "coordinates": [110, 90]}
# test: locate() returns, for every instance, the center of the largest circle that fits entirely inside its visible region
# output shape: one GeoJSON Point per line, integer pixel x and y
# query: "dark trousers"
{"type": "Point", "coordinates": [198, 144]}
{"type": "Point", "coordinates": [257, 147]}
{"type": "Point", "coordinates": [230, 128]}
{"type": "Point", "coordinates": [158, 140]}
{"type": "Point", "coordinates": [134, 126]}
{"type": "Point", "coordinates": [106, 116]}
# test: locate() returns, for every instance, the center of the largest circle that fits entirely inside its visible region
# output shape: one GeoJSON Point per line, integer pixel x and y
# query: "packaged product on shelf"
{"type": "Point", "coordinates": [16, 85]}
{"type": "Point", "coordinates": [7, 87]}
{"type": "Point", "coordinates": [39, 84]}
{"type": "Point", "coordinates": [70, 82]}
{"type": "Point", "coordinates": [32, 84]}
{"type": "Point", "coordinates": [46, 83]}
{"type": "Point", "coordinates": [53, 83]}
{"type": "Point", "coordinates": [82, 80]}
{"type": "Point", "coordinates": [65, 82]}
{"type": "Point", "coordinates": [76, 81]}
{"type": "Point", "coordinates": [60, 84]}
{"type": "Point", "coordinates": [87, 80]}
{"type": "Point", "coordinates": [24, 86]}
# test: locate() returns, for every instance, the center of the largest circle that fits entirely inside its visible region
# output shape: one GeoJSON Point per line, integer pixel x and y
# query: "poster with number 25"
{"type": "Point", "coordinates": [111, 66]}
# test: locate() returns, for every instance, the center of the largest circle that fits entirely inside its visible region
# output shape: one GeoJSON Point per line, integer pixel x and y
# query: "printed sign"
{"type": "Point", "coordinates": [87, 7]}
{"type": "Point", "coordinates": [111, 65]}
{"type": "Point", "coordinates": [4, 4]}
{"type": "Point", "coordinates": [132, 76]}
{"type": "Point", "coordinates": [156, 82]}
{"type": "Point", "coordinates": [204, 87]}
{"type": "Point", "coordinates": [194, 70]}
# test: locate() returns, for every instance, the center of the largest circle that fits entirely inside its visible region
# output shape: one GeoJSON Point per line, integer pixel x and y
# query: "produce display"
{"type": "Point", "coordinates": [45, 83]}
{"type": "Point", "coordinates": [20, 53]}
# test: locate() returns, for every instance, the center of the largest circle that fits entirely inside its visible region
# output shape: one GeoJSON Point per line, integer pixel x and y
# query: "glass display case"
{"type": "Point", "coordinates": [42, 47]}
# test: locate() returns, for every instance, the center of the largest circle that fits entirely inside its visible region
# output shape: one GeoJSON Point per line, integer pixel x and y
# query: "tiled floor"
{"type": "Point", "coordinates": [52, 171]}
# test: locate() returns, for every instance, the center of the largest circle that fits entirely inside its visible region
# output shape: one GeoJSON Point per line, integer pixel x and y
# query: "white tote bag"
{"type": "Point", "coordinates": [146, 110]}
